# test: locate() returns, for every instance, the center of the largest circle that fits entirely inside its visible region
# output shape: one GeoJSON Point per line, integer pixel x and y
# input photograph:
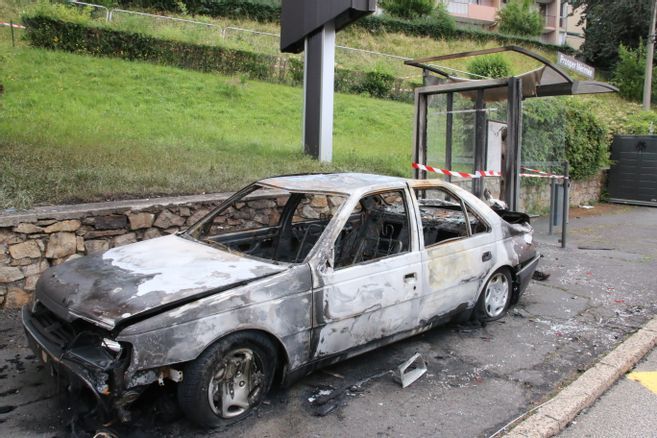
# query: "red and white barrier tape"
{"type": "Point", "coordinates": [482, 173]}
{"type": "Point", "coordinates": [477, 174]}
{"type": "Point", "coordinates": [14, 25]}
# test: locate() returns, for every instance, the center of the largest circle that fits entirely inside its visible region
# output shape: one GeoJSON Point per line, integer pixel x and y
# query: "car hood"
{"type": "Point", "coordinates": [140, 279]}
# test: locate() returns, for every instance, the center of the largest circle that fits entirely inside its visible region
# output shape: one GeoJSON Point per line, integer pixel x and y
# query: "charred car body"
{"type": "Point", "coordinates": [289, 274]}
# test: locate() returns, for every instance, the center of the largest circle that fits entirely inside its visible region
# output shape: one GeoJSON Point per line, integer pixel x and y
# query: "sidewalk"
{"type": "Point", "coordinates": [628, 409]}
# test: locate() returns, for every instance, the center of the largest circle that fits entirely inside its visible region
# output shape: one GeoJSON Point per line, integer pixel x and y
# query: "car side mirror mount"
{"type": "Point", "coordinates": [330, 260]}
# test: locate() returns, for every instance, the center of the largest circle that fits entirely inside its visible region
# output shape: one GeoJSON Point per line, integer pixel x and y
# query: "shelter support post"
{"type": "Point", "coordinates": [511, 160]}
{"type": "Point", "coordinates": [480, 143]}
{"type": "Point", "coordinates": [319, 77]}
{"type": "Point", "coordinates": [449, 132]}
{"type": "Point", "coordinates": [420, 134]}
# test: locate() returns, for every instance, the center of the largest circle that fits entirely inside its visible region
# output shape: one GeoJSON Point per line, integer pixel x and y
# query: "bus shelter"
{"type": "Point", "coordinates": [493, 110]}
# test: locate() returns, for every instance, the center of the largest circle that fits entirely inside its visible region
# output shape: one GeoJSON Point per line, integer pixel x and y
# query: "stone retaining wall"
{"type": "Point", "coordinates": [536, 199]}
{"type": "Point", "coordinates": [32, 241]}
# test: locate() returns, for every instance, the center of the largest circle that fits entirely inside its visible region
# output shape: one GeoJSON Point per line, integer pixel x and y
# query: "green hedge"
{"type": "Point", "coordinates": [263, 11]}
{"type": "Point", "coordinates": [269, 12]}
{"type": "Point", "coordinates": [98, 39]}
{"type": "Point", "coordinates": [558, 128]}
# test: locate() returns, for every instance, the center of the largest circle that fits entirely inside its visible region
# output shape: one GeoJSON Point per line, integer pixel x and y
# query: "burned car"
{"type": "Point", "coordinates": [289, 274]}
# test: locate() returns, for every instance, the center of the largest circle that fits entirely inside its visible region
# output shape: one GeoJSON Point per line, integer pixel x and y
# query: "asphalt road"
{"type": "Point", "coordinates": [479, 378]}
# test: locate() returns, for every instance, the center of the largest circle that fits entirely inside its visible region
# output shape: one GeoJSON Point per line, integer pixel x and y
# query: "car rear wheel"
{"type": "Point", "coordinates": [495, 297]}
{"type": "Point", "coordinates": [228, 381]}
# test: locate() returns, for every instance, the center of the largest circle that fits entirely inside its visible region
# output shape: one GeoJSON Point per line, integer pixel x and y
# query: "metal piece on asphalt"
{"type": "Point", "coordinates": [406, 376]}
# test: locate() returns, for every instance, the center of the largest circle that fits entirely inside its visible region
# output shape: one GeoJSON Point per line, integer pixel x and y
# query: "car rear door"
{"type": "Point", "coordinates": [458, 252]}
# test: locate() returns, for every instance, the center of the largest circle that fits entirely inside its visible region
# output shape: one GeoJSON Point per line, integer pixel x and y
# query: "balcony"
{"type": "Point", "coordinates": [549, 22]}
{"type": "Point", "coordinates": [482, 12]}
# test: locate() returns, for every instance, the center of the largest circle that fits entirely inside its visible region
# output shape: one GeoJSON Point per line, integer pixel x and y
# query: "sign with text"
{"type": "Point", "coordinates": [575, 65]}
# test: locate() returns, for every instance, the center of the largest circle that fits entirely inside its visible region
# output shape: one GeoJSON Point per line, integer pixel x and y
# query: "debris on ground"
{"type": "Point", "coordinates": [596, 248]}
{"type": "Point", "coordinates": [411, 370]}
{"type": "Point", "coordinates": [540, 276]}
{"type": "Point", "coordinates": [334, 374]}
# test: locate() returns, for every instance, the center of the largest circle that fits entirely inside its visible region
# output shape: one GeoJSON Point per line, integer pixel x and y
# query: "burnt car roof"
{"type": "Point", "coordinates": [332, 182]}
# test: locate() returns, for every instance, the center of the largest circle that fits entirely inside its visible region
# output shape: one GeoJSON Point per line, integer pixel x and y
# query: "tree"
{"type": "Point", "coordinates": [409, 9]}
{"type": "Point", "coordinates": [610, 23]}
{"type": "Point", "coordinates": [629, 72]}
{"type": "Point", "coordinates": [519, 17]}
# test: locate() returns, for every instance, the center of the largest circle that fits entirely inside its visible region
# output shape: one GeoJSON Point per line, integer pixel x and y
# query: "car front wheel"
{"type": "Point", "coordinates": [228, 381]}
{"type": "Point", "coordinates": [495, 297]}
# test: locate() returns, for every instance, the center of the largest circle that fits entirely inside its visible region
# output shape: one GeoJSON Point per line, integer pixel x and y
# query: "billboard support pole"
{"type": "Point", "coordinates": [318, 93]}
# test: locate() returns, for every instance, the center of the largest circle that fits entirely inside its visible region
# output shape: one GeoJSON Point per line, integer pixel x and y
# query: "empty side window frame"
{"type": "Point", "coordinates": [476, 223]}
{"type": "Point", "coordinates": [443, 215]}
{"type": "Point", "coordinates": [378, 227]}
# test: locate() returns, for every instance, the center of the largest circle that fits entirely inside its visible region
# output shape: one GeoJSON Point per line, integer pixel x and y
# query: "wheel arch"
{"type": "Point", "coordinates": [492, 272]}
{"type": "Point", "coordinates": [283, 358]}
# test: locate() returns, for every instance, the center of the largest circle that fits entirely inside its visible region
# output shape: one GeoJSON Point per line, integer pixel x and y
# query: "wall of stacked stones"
{"type": "Point", "coordinates": [32, 241]}
{"type": "Point", "coordinates": [35, 240]}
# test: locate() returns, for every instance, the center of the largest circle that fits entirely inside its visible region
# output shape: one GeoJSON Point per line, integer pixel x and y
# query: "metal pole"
{"type": "Point", "coordinates": [419, 134]}
{"type": "Point", "coordinates": [13, 38]}
{"type": "Point", "coordinates": [319, 78]}
{"type": "Point", "coordinates": [511, 163]}
{"type": "Point", "coordinates": [647, 84]}
{"type": "Point", "coordinates": [449, 131]}
{"type": "Point", "coordinates": [566, 203]}
{"type": "Point", "coordinates": [553, 184]}
{"type": "Point", "coordinates": [480, 146]}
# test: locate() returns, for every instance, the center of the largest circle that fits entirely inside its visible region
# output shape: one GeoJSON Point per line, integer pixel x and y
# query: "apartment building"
{"type": "Point", "coordinates": [559, 27]}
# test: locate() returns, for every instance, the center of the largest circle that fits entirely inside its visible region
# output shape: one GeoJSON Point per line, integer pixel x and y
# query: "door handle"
{"type": "Point", "coordinates": [486, 256]}
{"type": "Point", "coordinates": [410, 277]}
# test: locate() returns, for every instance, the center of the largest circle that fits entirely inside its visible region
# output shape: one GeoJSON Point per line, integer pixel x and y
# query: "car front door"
{"type": "Point", "coordinates": [369, 291]}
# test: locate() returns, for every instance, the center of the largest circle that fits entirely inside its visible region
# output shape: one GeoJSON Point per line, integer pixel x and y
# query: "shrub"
{"type": "Point", "coordinates": [519, 17]}
{"type": "Point", "coordinates": [560, 128]}
{"type": "Point", "coordinates": [587, 148]}
{"type": "Point", "coordinates": [629, 73]}
{"type": "Point", "coordinates": [640, 123]}
{"type": "Point", "coordinates": [491, 66]}
{"type": "Point", "coordinates": [543, 133]}
{"type": "Point", "coordinates": [409, 9]}
{"type": "Point", "coordinates": [265, 11]}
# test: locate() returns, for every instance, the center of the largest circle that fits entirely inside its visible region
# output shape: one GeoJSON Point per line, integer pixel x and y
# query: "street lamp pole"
{"type": "Point", "coordinates": [647, 85]}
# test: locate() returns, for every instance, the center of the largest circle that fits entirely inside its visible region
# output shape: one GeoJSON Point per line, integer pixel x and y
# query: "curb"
{"type": "Point", "coordinates": [552, 417]}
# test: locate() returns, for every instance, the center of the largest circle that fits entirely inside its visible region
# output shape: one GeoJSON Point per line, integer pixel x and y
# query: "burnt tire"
{"type": "Point", "coordinates": [495, 297]}
{"type": "Point", "coordinates": [228, 381]}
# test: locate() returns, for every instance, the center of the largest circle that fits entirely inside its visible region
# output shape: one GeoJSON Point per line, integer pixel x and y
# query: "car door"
{"type": "Point", "coordinates": [457, 255]}
{"type": "Point", "coordinates": [369, 291]}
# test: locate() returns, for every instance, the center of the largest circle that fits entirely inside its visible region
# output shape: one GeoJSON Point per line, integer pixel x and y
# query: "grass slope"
{"type": "Point", "coordinates": [76, 128]}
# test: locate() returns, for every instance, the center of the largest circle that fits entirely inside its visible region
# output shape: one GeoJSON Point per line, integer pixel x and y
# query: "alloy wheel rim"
{"type": "Point", "coordinates": [496, 295]}
{"type": "Point", "coordinates": [236, 383]}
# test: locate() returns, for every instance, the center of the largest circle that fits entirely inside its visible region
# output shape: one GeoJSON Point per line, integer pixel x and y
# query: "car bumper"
{"type": "Point", "coordinates": [524, 275]}
{"type": "Point", "coordinates": [94, 380]}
